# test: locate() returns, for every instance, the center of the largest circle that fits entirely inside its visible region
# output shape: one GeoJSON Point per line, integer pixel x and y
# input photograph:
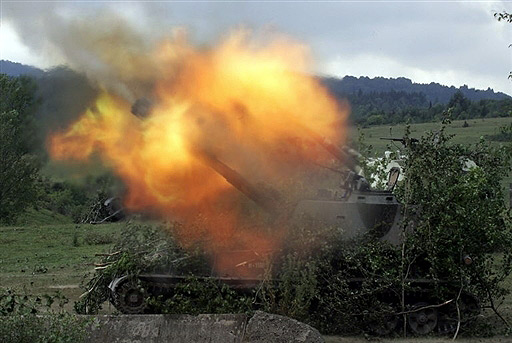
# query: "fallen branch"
{"type": "Point", "coordinates": [425, 307]}
{"type": "Point", "coordinates": [106, 218]}
{"type": "Point", "coordinates": [90, 290]}
{"type": "Point", "coordinates": [112, 254]}
{"type": "Point", "coordinates": [101, 268]}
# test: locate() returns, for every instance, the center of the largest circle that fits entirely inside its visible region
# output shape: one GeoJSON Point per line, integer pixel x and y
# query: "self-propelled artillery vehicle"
{"type": "Point", "coordinates": [356, 209]}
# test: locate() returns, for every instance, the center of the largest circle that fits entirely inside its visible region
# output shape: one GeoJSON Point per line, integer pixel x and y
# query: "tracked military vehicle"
{"type": "Point", "coordinates": [355, 209]}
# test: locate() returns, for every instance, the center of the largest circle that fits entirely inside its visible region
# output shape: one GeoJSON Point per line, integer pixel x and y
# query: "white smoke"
{"type": "Point", "coordinates": [87, 38]}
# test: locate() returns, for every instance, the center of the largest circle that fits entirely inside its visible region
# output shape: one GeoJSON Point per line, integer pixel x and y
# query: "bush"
{"type": "Point", "coordinates": [98, 238]}
{"type": "Point", "coordinates": [21, 320]}
{"type": "Point", "coordinates": [504, 134]}
{"type": "Point", "coordinates": [80, 202]}
{"type": "Point", "coordinates": [50, 328]}
{"type": "Point", "coordinates": [459, 210]}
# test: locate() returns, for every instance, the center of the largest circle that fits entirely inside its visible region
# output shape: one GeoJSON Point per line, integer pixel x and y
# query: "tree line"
{"type": "Point", "coordinates": [434, 92]}
{"type": "Point", "coordinates": [395, 107]}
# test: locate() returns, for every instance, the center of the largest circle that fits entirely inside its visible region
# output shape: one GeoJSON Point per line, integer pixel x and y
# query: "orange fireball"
{"type": "Point", "coordinates": [251, 105]}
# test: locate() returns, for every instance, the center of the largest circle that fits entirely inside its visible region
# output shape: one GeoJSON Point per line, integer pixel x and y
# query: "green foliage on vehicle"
{"type": "Point", "coordinates": [454, 196]}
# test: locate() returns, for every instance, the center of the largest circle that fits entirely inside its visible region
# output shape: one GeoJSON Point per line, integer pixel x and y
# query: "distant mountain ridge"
{"type": "Point", "coordinates": [434, 92]}
{"type": "Point", "coordinates": [18, 69]}
{"type": "Point", "coordinates": [341, 88]}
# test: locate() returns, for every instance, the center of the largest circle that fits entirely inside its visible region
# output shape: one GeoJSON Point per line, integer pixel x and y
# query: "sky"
{"type": "Point", "coordinates": [450, 42]}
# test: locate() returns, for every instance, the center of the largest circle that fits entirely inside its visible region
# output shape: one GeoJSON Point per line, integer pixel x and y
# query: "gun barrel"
{"type": "Point", "coordinates": [142, 108]}
{"type": "Point", "coordinates": [239, 182]}
{"type": "Point", "coordinates": [346, 157]}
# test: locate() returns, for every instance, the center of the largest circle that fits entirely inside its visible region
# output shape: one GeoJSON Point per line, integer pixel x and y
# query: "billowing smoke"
{"type": "Point", "coordinates": [63, 96]}
{"type": "Point", "coordinates": [102, 45]}
{"type": "Point", "coordinates": [97, 50]}
{"type": "Point", "coordinates": [177, 121]}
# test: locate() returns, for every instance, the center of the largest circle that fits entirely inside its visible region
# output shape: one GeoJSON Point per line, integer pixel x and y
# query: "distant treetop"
{"type": "Point", "coordinates": [434, 92]}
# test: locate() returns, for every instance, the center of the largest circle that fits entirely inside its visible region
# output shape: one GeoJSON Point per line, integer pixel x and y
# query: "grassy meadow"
{"type": "Point", "coordinates": [463, 135]}
{"type": "Point", "coordinates": [477, 129]}
{"type": "Point", "coordinates": [42, 258]}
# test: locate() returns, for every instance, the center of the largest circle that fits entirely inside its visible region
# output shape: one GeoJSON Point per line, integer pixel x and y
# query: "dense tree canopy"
{"type": "Point", "coordinates": [18, 169]}
{"type": "Point", "coordinates": [400, 107]}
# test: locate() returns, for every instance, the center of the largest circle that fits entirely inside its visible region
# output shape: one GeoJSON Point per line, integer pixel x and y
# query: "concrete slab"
{"type": "Point", "coordinates": [265, 327]}
{"type": "Point", "coordinates": [212, 328]}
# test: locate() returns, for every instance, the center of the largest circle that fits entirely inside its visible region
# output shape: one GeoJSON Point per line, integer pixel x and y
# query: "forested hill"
{"type": "Point", "coordinates": [373, 101]}
{"type": "Point", "coordinates": [434, 92]}
{"type": "Point", "coordinates": [380, 100]}
{"type": "Point", "coordinates": [17, 69]}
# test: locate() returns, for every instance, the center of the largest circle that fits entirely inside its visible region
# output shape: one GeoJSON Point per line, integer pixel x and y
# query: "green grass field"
{"type": "Point", "coordinates": [464, 135]}
{"type": "Point", "coordinates": [42, 259]}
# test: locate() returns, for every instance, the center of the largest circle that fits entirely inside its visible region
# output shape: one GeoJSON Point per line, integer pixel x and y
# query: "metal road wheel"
{"type": "Point", "coordinates": [130, 297]}
{"type": "Point", "coordinates": [448, 317]}
{"type": "Point", "coordinates": [446, 323]}
{"type": "Point", "coordinates": [469, 307]}
{"type": "Point", "coordinates": [385, 326]}
{"type": "Point", "coordinates": [422, 321]}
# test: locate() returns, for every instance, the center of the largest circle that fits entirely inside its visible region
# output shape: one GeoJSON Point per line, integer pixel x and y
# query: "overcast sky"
{"type": "Point", "coordinates": [450, 42]}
